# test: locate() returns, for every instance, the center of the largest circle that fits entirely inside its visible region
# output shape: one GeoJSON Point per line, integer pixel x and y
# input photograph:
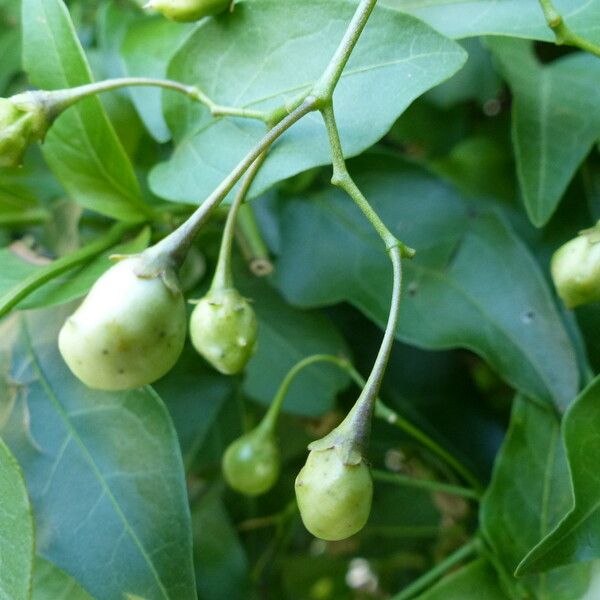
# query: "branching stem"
{"type": "Point", "coordinates": [563, 34]}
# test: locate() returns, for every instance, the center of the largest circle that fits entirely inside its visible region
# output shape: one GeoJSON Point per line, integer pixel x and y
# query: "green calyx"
{"type": "Point", "coordinates": [575, 269]}
{"type": "Point", "coordinates": [224, 330]}
{"type": "Point", "coordinates": [251, 463]}
{"type": "Point", "coordinates": [334, 497]}
{"type": "Point", "coordinates": [23, 121]}
{"type": "Point", "coordinates": [128, 332]}
{"type": "Point", "coordinates": [185, 11]}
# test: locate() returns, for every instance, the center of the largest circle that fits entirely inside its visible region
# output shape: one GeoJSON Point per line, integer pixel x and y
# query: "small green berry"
{"type": "Point", "coordinates": [185, 11]}
{"type": "Point", "coordinates": [251, 463]}
{"type": "Point", "coordinates": [576, 271]}
{"type": "Point", "coordinates": [128, 331]}
{"type": "Point", "coordinates": [224, 330]}
{"type": "Point", "coordinates": [22, 122]}
{"type": "Point", "coordinates": [334, 498]}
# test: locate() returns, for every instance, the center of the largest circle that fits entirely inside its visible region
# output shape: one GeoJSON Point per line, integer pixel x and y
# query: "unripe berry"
{"type": "Point", "coordinates": [224, 329]}
{"type": "Point", "coordinates": [128, 331]}
{"type": "Point", "coordinates": [22, 122]}
{"type": "Point", "coordinates": [334, 498]}
{"type": "Point", "coordinates": [251, 463]}
{"type": "Point", "coordinates": [576, 270]}
{"type": "Point", "coordinates": [185, 11]}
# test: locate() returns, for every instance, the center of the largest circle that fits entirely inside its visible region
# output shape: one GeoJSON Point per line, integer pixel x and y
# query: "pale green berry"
{"type": "Point", "coordinates": [334, 498]}
{"type": "Point", "coordinates": [251, 463]}
{"type": "Point", "coordinates": [188, 10]}
{"type": "Point", "coordinates": [128, 331]}
{"type": "Point", "coordinates": [224, 329]}
{"type": "Point", "coordinates": [576, 271]}
{"type": "Point", "coordinates": [22, 122]}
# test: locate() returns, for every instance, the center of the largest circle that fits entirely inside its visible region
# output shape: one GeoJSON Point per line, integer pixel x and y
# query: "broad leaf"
{"type": "Point", "coordinates": [555, 120]}
{"type": "Point", "coordinates": [81, 148]}
{"type": "Point", "coordinates": [146, 52]}
{"type": "Point", "coordinates": [194, 394]}
{"type": "Point", "coordinates": [104, 471]}
{"type": "Point", "coordinates": [473, 283]}
{"type": "Point", "coordinates": [473, 582]}
{"type": "Point", "coordinates": [528, 494]}
{"type": "Point", "coordinates": [287, 335]}
{"type": "Point", "coordinates": [219, 557]}
{"type": "Point", "coordinates": [10, 55]}
{"type": "Point", "coordinates": [16, 530]}
{"type": "Point", "coordinates": [50, 583]}
{"type": "Point", "coordinates": [577, 536]}
{"type": "Point", "coordinates": [397, 55]}
{"type": "Point", "coordinates": [517, 18]}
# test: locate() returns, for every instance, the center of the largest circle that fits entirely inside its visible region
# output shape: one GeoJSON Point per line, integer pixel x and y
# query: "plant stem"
{"type": "Point", "coordinates": [60, 266]}
{"type": "Point", "coordinates": [58, 100]}
{"type": "Point", "coordinates": [341, 178]}
{"type": "Point", "coordinates": [223, 278]}
{"type": "Point", "coordinates": [323, 89]}
{"type": "Point", "coordinates": [251, 242]}
{"type": "Point", "coordinates": [563, 34]}
{"type": "Point", "coordinates": [442, 568]}
{"type": "Point", "coordinates": [382, 411]}
{"type": "Point", "coordinates": [357, 424]}
{"type": "Point", "coordinates": [425, 484]}
{"type": "Point", "coordinates": [174, 247]}
{"type": "Point", "coordinates": [270, 419]}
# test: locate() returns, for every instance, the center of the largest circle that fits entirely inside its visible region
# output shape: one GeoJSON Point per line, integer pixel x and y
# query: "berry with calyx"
{"type": "Point", "coordinates": [576, 270]}
{"type": "Point", "coordinates": [128, 332]}
{"type": "Point", "coordinates": [23, 121]}
{"type": "Point", "coordinates": [334, 496]}
{"type": "Point", "coordinates": [224, 330]}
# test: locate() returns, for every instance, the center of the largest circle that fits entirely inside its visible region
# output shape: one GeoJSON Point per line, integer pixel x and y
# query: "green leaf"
{"type": "Point", "coordinates": [194, 394]}
{"type": "Point", "coordinates": [577, 536]}
{"type": "Point", "coordinates": [287, 335]}
{"type": "Point", "coordinates": [64, 288]}
{"type": "Point", "coordinates": [50, 583]}
{"type": "Point", "coordinates": [81, 148]}
{"type": "Point", "coordinates": [397, 55]}
{"type": "Point", "coordinates": [16, 527]}
{"type": "Point", "coordinates": [555, 120]}
{"type": "Point", "coordinates": [219, 557]}
{"type": "Point", "coordinates": [104, 471]}
{"type": "Point", "coordinates": [473, 582]}
{"type": "Point", "coordinates": [528, 495]}
{"type": "Point", "coordinates": [516, 18]}
{"type": "Point", "coordinates": [10, 55]}
{"type": "Point", "coordinates": [146, 51]}
{"type": "Point", "coordinates": [473, 284]}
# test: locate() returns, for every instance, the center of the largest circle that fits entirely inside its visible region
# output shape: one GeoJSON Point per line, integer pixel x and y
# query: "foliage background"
{"type": "Point", "coordinates": [485, 174]}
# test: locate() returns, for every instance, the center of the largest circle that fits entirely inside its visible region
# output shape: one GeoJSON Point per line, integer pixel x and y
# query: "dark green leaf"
{"type": "Point", "coordinates": [398, 56]}
{"type": "Point", "coordinates": [473, 283]}
{"type": "Point", "coordinates": [145, 58]}
{"type": "Point", "coordinates": [81, 148]}
{"type": "Point", "coordinates": [16, 530]}
{"type": "Point", "coordinates": [219, 557]}
{"type": "Point", "coordinates": [287, 335]}
{"type": "Point", "coordinates": [577, 536]}
{"type": "Point", "coordinates": [104, 471]}
{"type": "Point", "coordinates": [528, 495]}
{"type": "Point", "coordinates": [555, 120]}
